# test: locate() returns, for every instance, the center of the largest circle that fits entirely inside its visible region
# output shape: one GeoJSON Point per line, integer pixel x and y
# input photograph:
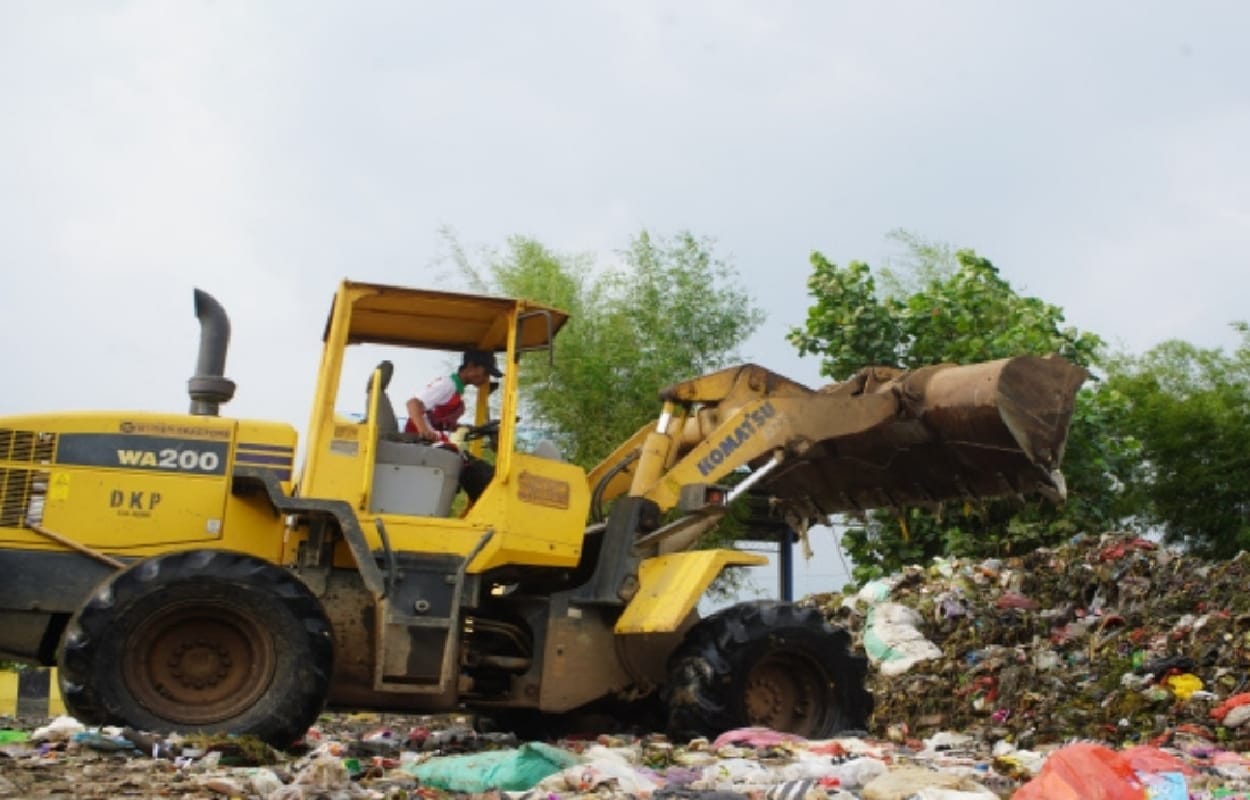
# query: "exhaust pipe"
{"type": "Point", "coordinates": [208, 387]}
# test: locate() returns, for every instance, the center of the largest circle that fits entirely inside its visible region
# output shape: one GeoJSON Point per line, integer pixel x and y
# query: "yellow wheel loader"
{"type": "Point", "coordinates": [184, 576]}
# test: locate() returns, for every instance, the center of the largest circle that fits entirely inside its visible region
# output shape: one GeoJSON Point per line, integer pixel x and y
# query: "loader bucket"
{"type": "Point", "coordinates": [958, 433]}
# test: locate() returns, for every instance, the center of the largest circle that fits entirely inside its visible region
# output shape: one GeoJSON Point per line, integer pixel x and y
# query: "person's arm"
{"type": "Point", "coordinates": [436, 392]}
{"type": "Point", "coordinates": [416, 413]}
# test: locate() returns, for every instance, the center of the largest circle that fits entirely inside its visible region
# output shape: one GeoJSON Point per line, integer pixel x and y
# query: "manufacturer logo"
{"type": "Point", "coordinates": [162, 429]}
{"type": "Point", "coordinates": [750, 426]}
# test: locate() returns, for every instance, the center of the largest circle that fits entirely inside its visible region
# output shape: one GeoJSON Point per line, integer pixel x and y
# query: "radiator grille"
{"type": "Point", "coordinates": [23, 490]}
{"type": "Point", "coordinates": [26, 447]}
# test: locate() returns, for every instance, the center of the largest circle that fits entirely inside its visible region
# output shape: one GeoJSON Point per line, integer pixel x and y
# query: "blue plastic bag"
{"type": "Point", "coordinates": [1165, 786]}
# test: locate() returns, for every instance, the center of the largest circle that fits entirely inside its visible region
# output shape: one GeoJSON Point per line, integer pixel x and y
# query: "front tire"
{"type": "Point", "coordinates": [766, 664]}
{"type": "Point", "coordinates": [202, 640]}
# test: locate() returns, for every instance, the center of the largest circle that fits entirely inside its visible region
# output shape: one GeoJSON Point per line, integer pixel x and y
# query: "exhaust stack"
{"type": "Point", "coordinates": [208, 387]}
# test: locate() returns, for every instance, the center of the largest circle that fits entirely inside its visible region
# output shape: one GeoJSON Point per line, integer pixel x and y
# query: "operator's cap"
{"type": "Point", "coordinates": [482, 358]}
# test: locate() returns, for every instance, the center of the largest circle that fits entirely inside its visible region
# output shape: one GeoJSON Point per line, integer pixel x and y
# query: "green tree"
{"type": "Point", "coordinates": [960, 309]}
{"type": "Point", "coordinates": [917, 262]}
{"type": "Point", "coordinates": [1190, 407]}
{"type": "Point", "coordinates": [669, 310]}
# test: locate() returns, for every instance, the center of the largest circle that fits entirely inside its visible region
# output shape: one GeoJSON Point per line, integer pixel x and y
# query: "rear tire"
{"type": "Point", "coordinates": [203, 640]}
{"type": "Point", "coordinates": [768, 664]}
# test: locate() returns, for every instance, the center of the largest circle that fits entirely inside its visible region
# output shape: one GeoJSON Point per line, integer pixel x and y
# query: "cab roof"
{"type": "Point", "coordinates": [442, 320]}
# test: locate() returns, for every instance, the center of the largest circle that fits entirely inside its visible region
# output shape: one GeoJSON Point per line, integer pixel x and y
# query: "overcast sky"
{"type": "Point", "coordinates": [1097, 153]}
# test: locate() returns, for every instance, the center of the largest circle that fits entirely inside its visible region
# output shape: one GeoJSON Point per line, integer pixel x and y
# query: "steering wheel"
{"type": "Point", "coordinates": [483, 431]}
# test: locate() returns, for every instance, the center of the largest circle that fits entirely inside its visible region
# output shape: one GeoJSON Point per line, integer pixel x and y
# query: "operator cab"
{"type": "Point", "coordinates": [402, 475]}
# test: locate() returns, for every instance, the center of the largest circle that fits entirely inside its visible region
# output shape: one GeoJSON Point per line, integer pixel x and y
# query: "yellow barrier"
{"type": "Point", "coordinates": [8, 694]}
{"type": "Point", "coordinates": [30, 693]}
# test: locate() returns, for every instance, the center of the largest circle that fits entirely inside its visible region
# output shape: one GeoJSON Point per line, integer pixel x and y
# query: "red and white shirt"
{"type": "Point", "coordinates": [443, 400]}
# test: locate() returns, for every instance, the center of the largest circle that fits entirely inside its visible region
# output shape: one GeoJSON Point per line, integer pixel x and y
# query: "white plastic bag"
{"type": "Point", "coordinates": [61, 729]}
{"type": "Point", "coordinates": [892, 640]}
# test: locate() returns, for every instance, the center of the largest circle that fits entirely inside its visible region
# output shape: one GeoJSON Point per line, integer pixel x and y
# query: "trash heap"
{"type": "Point", "coordinates": [992, 678]}
{"type": "Point", "coordinates": [355, 758]}
{"type": "Point", "coordinates": [1111, 638]}
{"type": "Point", "coordinates": [375, 757]}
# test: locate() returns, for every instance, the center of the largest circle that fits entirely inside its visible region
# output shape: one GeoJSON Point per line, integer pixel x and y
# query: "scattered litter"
{"type": "Point", "coordinates": [1106, 669]}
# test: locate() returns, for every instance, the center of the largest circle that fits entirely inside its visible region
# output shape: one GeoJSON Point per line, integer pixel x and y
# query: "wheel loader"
{"type": "Point", "coordinates": [184, 575]}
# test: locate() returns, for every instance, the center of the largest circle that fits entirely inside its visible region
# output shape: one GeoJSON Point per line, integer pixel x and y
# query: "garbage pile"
{"type": "Point", "coordinates": [354, 757]}
{"type": "Point", "coordinates": [367, 757]}
{"type": "Point", "coordinates": [1112, 638]}
{"type": "Point", "coordinates": [1108, 668]}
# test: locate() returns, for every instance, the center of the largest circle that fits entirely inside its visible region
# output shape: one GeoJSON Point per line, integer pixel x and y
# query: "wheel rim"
{"type": "Point", "coordinates": [199, 663]}
{"type": "Point", "coordinates": [788, 692]}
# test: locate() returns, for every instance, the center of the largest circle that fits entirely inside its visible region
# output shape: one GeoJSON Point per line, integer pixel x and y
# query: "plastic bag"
{"type": "Point", "coordinates": [892, 639]}
{"type": "Point", "coordinates": [612, 774]}
{"type": "Point", "coordinates": [1144, 758]}
{"type": "Point", "coordinates": [1237, 700]}
{"type": "Point", "coordinates": [1084, 771]}
{"type": "Point", "coordinates": [324, 773]}
{"type": "Point", "coordinates": [61, 729]}
{"type": "Point", "coordinates": [905, 782]}
{"type": "Point", "coordinates": [877, 590]}
{"type": "Point", "coordinates": [1237, 717]}
{"type": "Point", "coordinates": [1184, 685]}
{"type": "Point", "coordinates": [1167, 786]}
{"type": "Point", "coordinates": [510, 770]}
{"type": "Point", "coordinates": [730, 774]}
{"type": "Point", "coordinates": [102, 742]}
{"type": "Point", "coordinates": [756, 737]}
{"type": "Point", "coordinates": [602, 766]}
{"type": "Point", "coordinates": [930, 793]}
{"type": "Point", "coordinates": [264, 782]}
{"type": "Point", "coordinates": [809, 765]}
{"type": "Point", "coordinates": [859, 771]}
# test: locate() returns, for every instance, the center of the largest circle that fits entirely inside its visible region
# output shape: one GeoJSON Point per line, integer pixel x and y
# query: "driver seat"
{"type": "Point", "coordinates": [388, 425]}
{"type": "Point", "coordinates": [409, 476]}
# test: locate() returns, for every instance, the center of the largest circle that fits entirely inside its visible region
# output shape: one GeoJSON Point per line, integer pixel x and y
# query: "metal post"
{"type": "Point", "coordinates": [785, 564]}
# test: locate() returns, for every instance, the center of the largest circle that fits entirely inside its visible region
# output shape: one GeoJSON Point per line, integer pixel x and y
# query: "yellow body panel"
{"type": "Point", "coordinates": [671, 585]}
{"type": "Point", "coordinates": [136, 484]}
{"type": "Point", "coordinates": [537, 517]}
{"type": "Point", "coordinates": [540, 505]}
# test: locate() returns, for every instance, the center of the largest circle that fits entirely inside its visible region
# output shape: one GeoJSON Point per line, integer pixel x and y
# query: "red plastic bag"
{"type": "Point", "coordinates": [755, 736]}
{"type": "Point", "coordinates": [1221, 711]}
{"type": "Point", "coordinates": [1084, 772]}
{"type": "Point", "coordinates": [1152, 760]}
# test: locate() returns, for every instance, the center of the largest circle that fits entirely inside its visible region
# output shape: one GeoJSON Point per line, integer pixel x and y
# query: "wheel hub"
{"type": "Point", "coordinates": [786, 694]}
{"type": "Point", "coordinates": [199, 664]}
